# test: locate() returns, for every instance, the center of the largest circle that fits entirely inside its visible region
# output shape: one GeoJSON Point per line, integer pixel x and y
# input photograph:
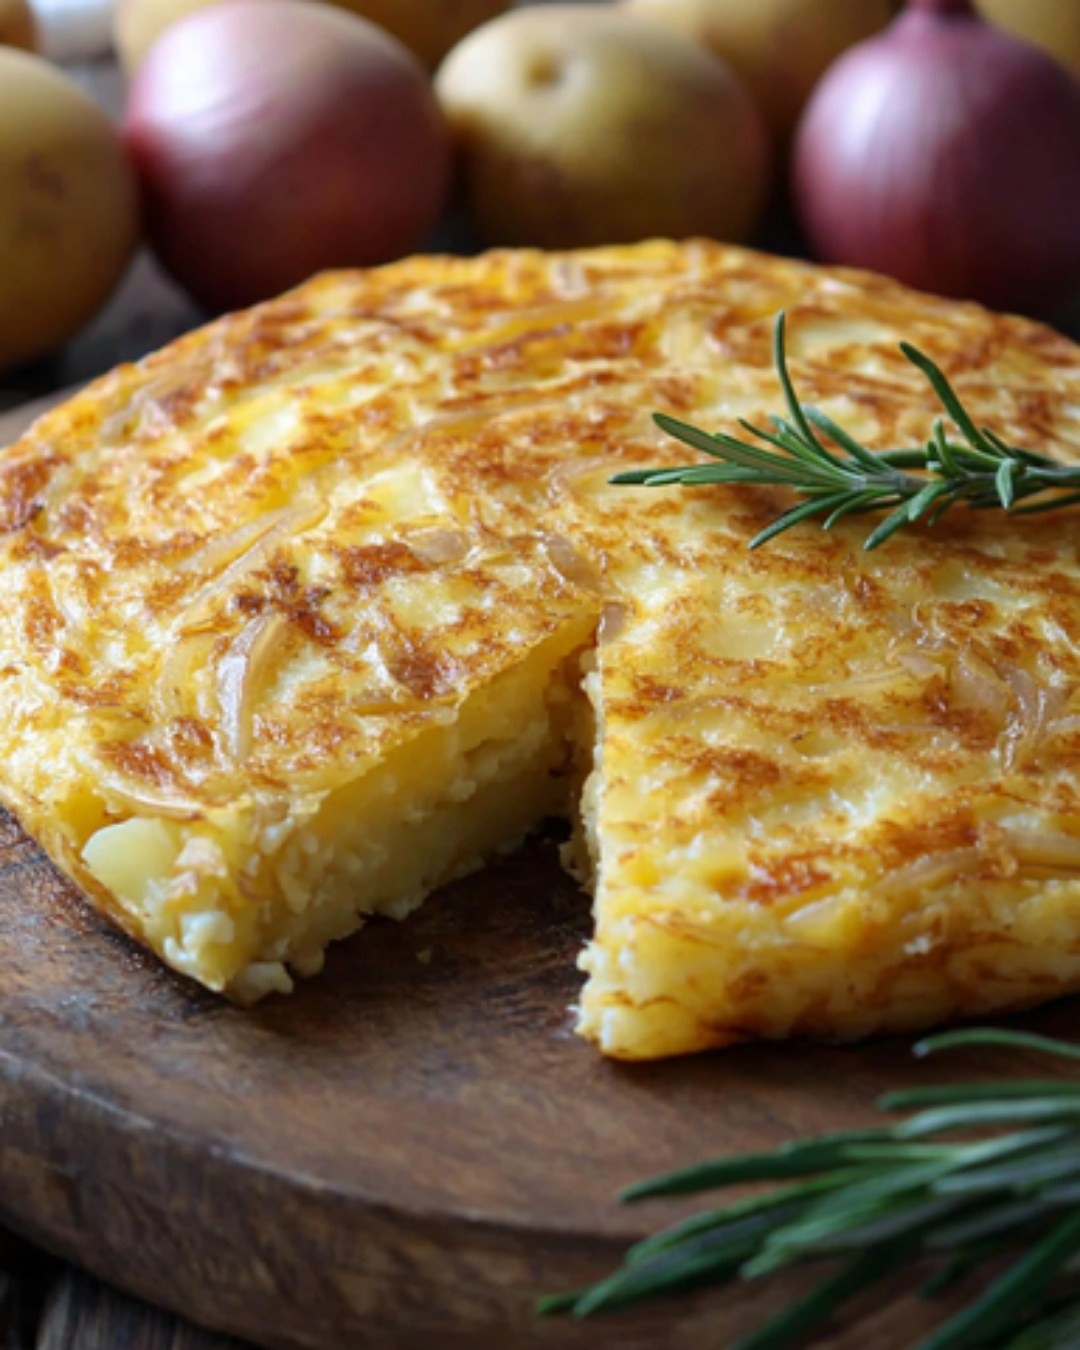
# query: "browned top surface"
{"type": "Point", "coordinates": [371, 494]}
{"type": "Point", "coordinates": [249, 480]}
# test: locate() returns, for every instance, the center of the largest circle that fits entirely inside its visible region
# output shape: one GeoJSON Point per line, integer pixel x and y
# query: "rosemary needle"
{"type": "Point", "coordinates": [980, 1181]}
{"type": "Point", "coordinates": [838, 476]}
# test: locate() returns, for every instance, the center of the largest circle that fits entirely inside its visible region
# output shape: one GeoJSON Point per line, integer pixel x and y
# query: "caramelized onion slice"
{"type": "Point", "coordinates": [241, 676]}
{"type": "Point", "coordinates": [240, 550]}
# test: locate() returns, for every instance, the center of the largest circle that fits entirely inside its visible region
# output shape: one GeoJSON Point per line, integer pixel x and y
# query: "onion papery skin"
{"type": "Point", "coordinates": [946, 153]}
{"type": "Point", "coordinates": [274, 139]}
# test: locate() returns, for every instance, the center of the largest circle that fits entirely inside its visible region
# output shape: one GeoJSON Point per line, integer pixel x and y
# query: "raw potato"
{"type": "Point", "coordinates": [137, 24]}
{"type": "Point", "coordinates": [781, 48]}
{"type": "Point", "coordinates": [583, 125]}
{"type": "Point", "coordinates": [17, 26]}
{"type": "Point", "coordinates": [428, 27]}
{"type": "Point", "coordinates": [68, 208]}
{"type": "Point", "coordinates": [1052, 24]}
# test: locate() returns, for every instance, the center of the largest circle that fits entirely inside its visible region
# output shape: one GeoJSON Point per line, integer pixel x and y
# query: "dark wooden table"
{"type": "Point", "coordinates": [45, 1305]}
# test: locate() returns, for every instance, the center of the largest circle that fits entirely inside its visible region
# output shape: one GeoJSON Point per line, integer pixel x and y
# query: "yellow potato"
{"type": "Point", "coordinates": [1052, 24]}
{"type": "Point", "coordinates": [429, 28]}
{"type": "Point", "coordinates": [17, 26]}
{"type": "Point", "coordinates": [583, 125]}
{"type": "Point", "coordinates": [781, 48]}
{"type": "Point", "coordinates": [137, 24]}
{"type": "Point", "coordinates": [68, 208]}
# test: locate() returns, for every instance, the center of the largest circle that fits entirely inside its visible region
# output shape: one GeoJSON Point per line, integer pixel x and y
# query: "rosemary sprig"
{"type": "Point", "coordinates": [981, 1180]}
{"type": "Point", "coordinates": [838, 476]}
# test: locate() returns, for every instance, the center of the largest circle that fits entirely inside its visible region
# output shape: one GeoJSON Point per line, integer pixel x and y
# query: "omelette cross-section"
{"type": "Point", "coordinates": [323, 604]}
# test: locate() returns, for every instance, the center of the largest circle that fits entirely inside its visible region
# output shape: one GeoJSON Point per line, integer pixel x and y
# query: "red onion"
{"type": "Point", "coordinates": [273, 139]}
{"type": "Point", "coordinates": [946, 153]}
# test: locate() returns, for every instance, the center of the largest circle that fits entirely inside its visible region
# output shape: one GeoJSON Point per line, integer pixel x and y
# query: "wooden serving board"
{"type": "Point", "coordinates": [407, 1151]}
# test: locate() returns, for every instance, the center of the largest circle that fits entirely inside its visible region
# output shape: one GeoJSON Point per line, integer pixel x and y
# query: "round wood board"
{"type": "Point", "coordinates": [407, 1151]}
{"type": "Point", "coordinates": [404, 1153]}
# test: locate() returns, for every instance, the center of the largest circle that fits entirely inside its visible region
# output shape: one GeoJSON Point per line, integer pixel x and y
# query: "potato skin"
{"type": "Point", "coordinates": [137, 25]}
{"type": "Point", "coordinates": [17, 25]}
{"type": "Point", "coordinates": [429, 28]}
{"type": "Point", "coordinates": [581, 125]}
{"type": "Point", "coordinates": [69, 217]}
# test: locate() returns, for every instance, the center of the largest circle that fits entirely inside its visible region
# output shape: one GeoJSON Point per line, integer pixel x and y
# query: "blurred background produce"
{"type": "Point", "coordinates": [68, 207]}
{"type": "Point", "coordinates": [781, 48]}
{"type": "Point", "coordinates": [946, 152]}
{"type": "Point", "coordinates": [581, 125]}
{"type": "Point", "coordinates": [1053, 24]}
{"type": "Point", "coordinates": [568, 126]}
{"type": "Point", "coordinates": [17, 25]}
{"type": "Point", "coordinates": [429, 28]}
{"type": "Point", "coordinates": [274, 138]}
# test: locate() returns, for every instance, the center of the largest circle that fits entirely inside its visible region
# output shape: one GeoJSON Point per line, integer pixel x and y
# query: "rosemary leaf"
{"type": "Point", "coordinates": [977, 1092]}
{"type": "Point", "coordinates": [1009, 1296]}
{"type": "Point", "coordinates": [986, 1221]}
{"type": "Point", "coordinates": [1005, 482]}
{"type": "Point", "coordinates": [793, 1160]}
{"type": "Point", "coordinates": [952, 405]}
{"type": "Point", "coordinates": [977, 1115]}
{"type": "Point", "coordinates": [815, 507]}
{"type": "Point", "coordinates": [856, 1230]}
{"type": "Point", "coordinates": [670, 1273]}
{"type": "Point", "coordinates": [870, 462]}
{"type": "Point", "coordinates": [956, 1185]}
{"type": "Point", "coordinates": [795, 409]}
{"type": "Point", "coordinates": [1019, 1177]}
{"type": "Point", "coordinates": [924, 499]}
{"type": "Point", "coordinates": [809, 452]}
{"type": "Point", "coordinates": [854, 503]}
{"type": "Point", "coordinates": [962, 1263]}
{"type": "Point", "coordinates": [895, 520]}
{"type": "Point", "coordinates": [795, 1323]}
{"type": "Point", "coordinates": [771, 1200]}
{"type": "Point", "coordinates": [983, 1036]}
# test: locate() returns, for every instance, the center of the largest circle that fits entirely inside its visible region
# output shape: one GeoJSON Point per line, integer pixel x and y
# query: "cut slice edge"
{"type": "Point", "coordinates": [239, 898]}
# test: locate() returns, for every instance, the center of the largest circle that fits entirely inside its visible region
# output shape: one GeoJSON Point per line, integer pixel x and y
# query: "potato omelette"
{"type": "Point", "coordinates": [318, 607]}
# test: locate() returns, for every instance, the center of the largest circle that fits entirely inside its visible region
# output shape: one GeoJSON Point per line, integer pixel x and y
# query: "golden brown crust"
{"type": "Point", "coordinates": [355, 504]}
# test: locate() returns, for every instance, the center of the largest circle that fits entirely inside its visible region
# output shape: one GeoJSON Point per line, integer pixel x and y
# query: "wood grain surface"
{"type": "Point", "coordinates": [80, 1313]}
{"type": "Point", "coordinates": [403, 1154]}
{"type": "Point", "coordinates": [46, 1304]}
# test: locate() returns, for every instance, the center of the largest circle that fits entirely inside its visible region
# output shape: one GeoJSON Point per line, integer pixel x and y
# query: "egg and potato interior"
{"type": "Point", "coordinates": [441, 801]}
{"type": "Point", "coordinates": [322, 723]}
{"type": "Point", "coordinates": [326, 603]}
